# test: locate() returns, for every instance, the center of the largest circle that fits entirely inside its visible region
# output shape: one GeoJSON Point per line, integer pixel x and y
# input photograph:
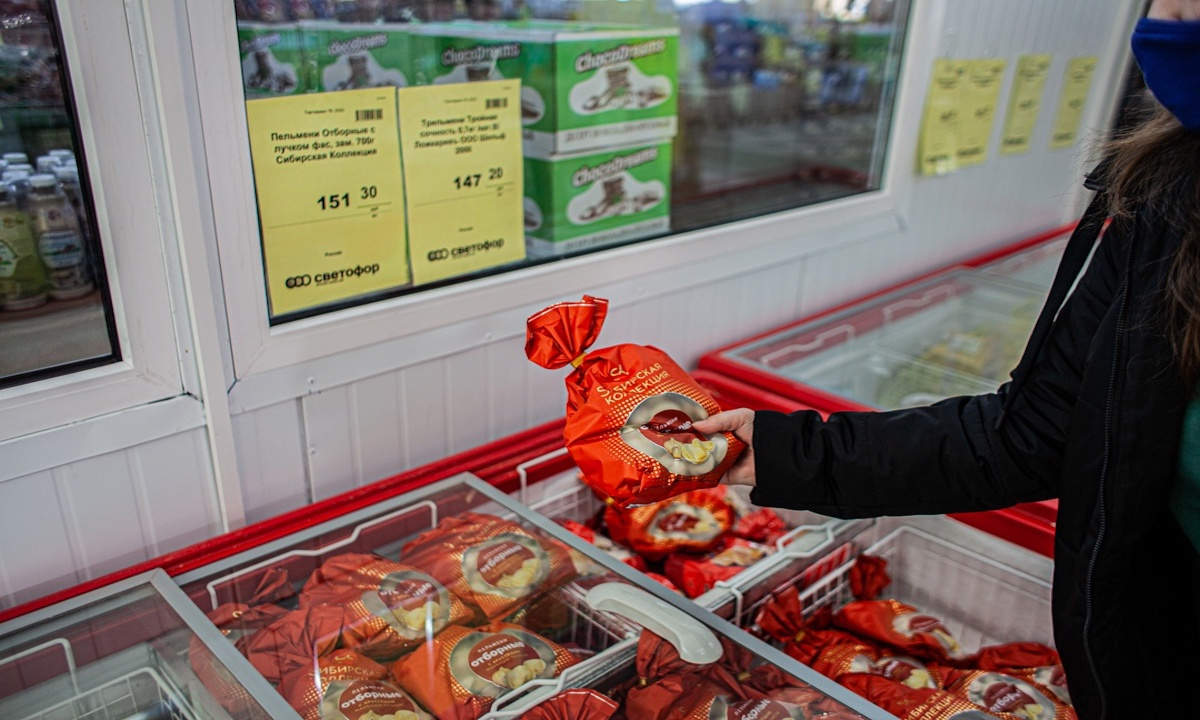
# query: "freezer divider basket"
{"type": "Point", "coordinates": [977, 585]}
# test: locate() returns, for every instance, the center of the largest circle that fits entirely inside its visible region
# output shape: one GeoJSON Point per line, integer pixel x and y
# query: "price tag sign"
{"type": "Point", "coordinates": [330, 196]}
{"type": "Point", "coordinates": [1025, 104]}
{"type": "Point", "coordinates": [463, 173]}
{"type": "Point", "coordinates": [981, 92]}
{"type": "Point", "coordinates": [939, 141]}
{"type": "Point", "coordinates": [1076, 84]}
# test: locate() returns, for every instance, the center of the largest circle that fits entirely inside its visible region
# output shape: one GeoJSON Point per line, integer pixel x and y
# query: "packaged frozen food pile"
{"type": "Point", "coordinates": [690, 542]}
{"type": "Point", "coordinates": [574, 704]}
{"type": "Point", "coordinates": [630, 410]}
{"type": "Point", "coordinates": [733, 687]}
{"type": "Point", "coordinates": [466, 612]}
{"type": "Point", "coordinates": [465, 669]}
{"type": "Point", "coordinates": [910, 664]}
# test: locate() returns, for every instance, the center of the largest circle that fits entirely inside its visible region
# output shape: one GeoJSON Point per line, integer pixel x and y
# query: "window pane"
{"type": "Point", "coordinates": [640, 118]}
{"type": "Point", "coordinates": [55, 314]}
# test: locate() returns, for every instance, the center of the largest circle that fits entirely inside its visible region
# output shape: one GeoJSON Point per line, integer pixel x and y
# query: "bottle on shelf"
{"type": "Point", "coordinates": [60, 242]}
{"type": "Point", "coordinates": [23, 281]}
{"type": "Point", "coordinates": [47, 163]}
{"type": "Point", "coordinates": [68, 180]}
{"type": "Point", "coordinates": [17, 182]}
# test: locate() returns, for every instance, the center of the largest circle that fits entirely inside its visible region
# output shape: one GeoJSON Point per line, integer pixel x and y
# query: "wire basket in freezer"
{"type": "Point", "coordinates": [143, 694]}
{"type": "Point", "coordinates": [985, 590]}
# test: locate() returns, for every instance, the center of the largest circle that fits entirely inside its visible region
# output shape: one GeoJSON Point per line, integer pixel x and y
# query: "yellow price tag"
{"type": "Point", "coordinates": [939, 141]}
{"type": "Point", "coordinates": [330, 196]}
{"type": "Point", "coordinates": [1025, 103]}
{"type": "Point", "coordinates": [1076, 84]}
{"type": "Point", "coordinates": [981, 93]}
{"type": "Point", "coordinates": [463, 171]}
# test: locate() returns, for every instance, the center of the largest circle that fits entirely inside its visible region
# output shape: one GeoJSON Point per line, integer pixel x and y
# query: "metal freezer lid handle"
{"type": "Point", "coordinates": [695, 643]}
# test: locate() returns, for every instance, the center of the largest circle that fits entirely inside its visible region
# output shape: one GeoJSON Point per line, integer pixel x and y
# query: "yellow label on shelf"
{"type": "Point", "coordinates": [330, 196]}
{"type": "Point", "coordinates": [938, 143]}
{"type": "Point", "coordinates": [1025, 103]}
{"type": "Point", "coordinates": [463, 170]}
{"type": "Point", "coordinates": [1076, 84]}
{"type": "Point", "coordinates": [980, 95]}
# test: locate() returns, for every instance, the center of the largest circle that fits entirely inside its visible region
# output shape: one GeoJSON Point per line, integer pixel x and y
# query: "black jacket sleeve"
{"type": "Point", "coordinates": [948, 457]}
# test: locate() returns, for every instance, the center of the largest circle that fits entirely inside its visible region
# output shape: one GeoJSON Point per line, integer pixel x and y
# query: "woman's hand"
{"type": "Point", "coordinates": [740, 422]}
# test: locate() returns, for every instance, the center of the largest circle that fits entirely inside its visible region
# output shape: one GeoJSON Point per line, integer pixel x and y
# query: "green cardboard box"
{"type": "Point", "coordinates": [441, 54]}
{"type": "Point", "coordinates": [586, 200]}
{"type": "Point", "coordinates": [585, 86]}
{"type": "Point", "coordinates": [351, 56]}
{"type": "Point", "coordinates": [275, 59]}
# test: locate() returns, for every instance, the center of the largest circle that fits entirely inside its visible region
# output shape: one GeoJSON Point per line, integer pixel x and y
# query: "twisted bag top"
{"type": "Point", "coordinates": [630, 410]}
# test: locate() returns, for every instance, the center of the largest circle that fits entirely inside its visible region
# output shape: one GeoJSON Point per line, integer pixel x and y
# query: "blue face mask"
{"type": "Point", "coordinates": [1168, 52]}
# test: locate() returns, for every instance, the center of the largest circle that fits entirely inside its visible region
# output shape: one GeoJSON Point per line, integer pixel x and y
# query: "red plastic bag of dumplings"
{"type": "Point", "coordinates": [574, 704]}
{"type": "Point", "coordinates": [630, 410]}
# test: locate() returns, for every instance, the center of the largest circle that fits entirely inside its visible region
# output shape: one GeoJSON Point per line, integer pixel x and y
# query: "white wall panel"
{"type": "Point", "coordinates": [426, 430]}
{"type": "Point", "coordinates": [466, 398]}
{"type": "Point", "coordinates": [84, 519]}
{"type": "Point", "coordinates": [271, 460]}
{"type": "Point", "coordinates": [36, 555]}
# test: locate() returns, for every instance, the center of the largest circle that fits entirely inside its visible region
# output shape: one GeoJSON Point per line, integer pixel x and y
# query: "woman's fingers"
{"type": "Point", "coordinates": [740, 423]}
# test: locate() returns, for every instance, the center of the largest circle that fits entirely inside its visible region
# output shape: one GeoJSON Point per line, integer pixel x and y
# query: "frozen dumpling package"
{"type": "Point", "coordinates": [630, 410]}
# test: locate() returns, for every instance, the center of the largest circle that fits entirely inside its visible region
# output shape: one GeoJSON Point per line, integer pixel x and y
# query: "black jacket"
{"type": "Point", "coordinates": [1092, 417]}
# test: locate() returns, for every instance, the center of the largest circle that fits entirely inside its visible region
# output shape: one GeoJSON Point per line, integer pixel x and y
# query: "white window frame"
{"type": "Point", "coordinates": [107, 52]}
{"type": "Point", "coordinates": [260, 349]}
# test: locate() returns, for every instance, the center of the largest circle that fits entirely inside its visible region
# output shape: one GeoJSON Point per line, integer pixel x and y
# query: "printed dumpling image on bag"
{"type": "Point", "coordinates": [630, 410]}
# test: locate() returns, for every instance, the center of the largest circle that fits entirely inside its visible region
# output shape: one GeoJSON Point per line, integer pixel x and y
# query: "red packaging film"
{"type": "Point", "coordinates": [868, 577]}
{"type": "Point", "coordinates": [390, 607]}
{"type": "Point", "coordinates": [630, 410]}
{"type": "Point", "coordinates": [901, 626]}
{"type": "Point", "coordinates": [462, 671]}
{"type": "Point", "coordinates": [782, 618]}
{"type": "Point", "coordinates": [345, 685]}
{"type": "Point", "coordinates": [761, 526]}
{"type": "Point", "coordinates": [294, 639]}
{"type": "Point", "coordinates": [691, 522]}
{"type": "Point", "coordinates": [545, 615]}
{"type": "Point", "coordinates": [836, 661]}
{"type": "Point", "coordinates": [574, 704]}
{"type": "Point", "coordinates": [1014, 655]}
{"type": "Point", "coordinates": [1050, 678]}
{"type": "Point", "coordinates": [236, 622]}
{"type": "Point", "coordinates": [602, 542]}
{"type": "Point", "coordinates": [923, 704]}
{"type": "Point", "coordinates": [697, 574]}
{"type": "Point", "coordinates": [1000, 693]}
{"type": "Point", "coordinates": [490, 563]}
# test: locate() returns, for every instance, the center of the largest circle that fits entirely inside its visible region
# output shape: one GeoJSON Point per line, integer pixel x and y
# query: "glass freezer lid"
{"type": "Point", "coordinates": [959, 333]}
{"type": "Point", "coordinates": [458, 601]}
{"type": "Point", "coordinates": [1035, 265]}
{"type": "Point", "coordinates": [131, 649]}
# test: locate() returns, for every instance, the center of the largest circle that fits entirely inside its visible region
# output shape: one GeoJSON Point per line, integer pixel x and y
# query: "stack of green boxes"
{"type": "Point", "coordinates": [598, 105]}
{"type": "Point", "coordinates": [598, 109]}
{"type": "Point", "coordinates": [275, 59]}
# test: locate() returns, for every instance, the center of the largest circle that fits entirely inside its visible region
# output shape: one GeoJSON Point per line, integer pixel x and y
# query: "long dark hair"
{"type": "Point", "coordinates": [1156, 167]}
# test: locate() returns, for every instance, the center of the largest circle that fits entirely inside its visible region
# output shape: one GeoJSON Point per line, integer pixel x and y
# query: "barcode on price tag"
{"type": "Point", "coordinates": [497, 103]}
{"type": "Point", "coordinates": [365, 115]}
